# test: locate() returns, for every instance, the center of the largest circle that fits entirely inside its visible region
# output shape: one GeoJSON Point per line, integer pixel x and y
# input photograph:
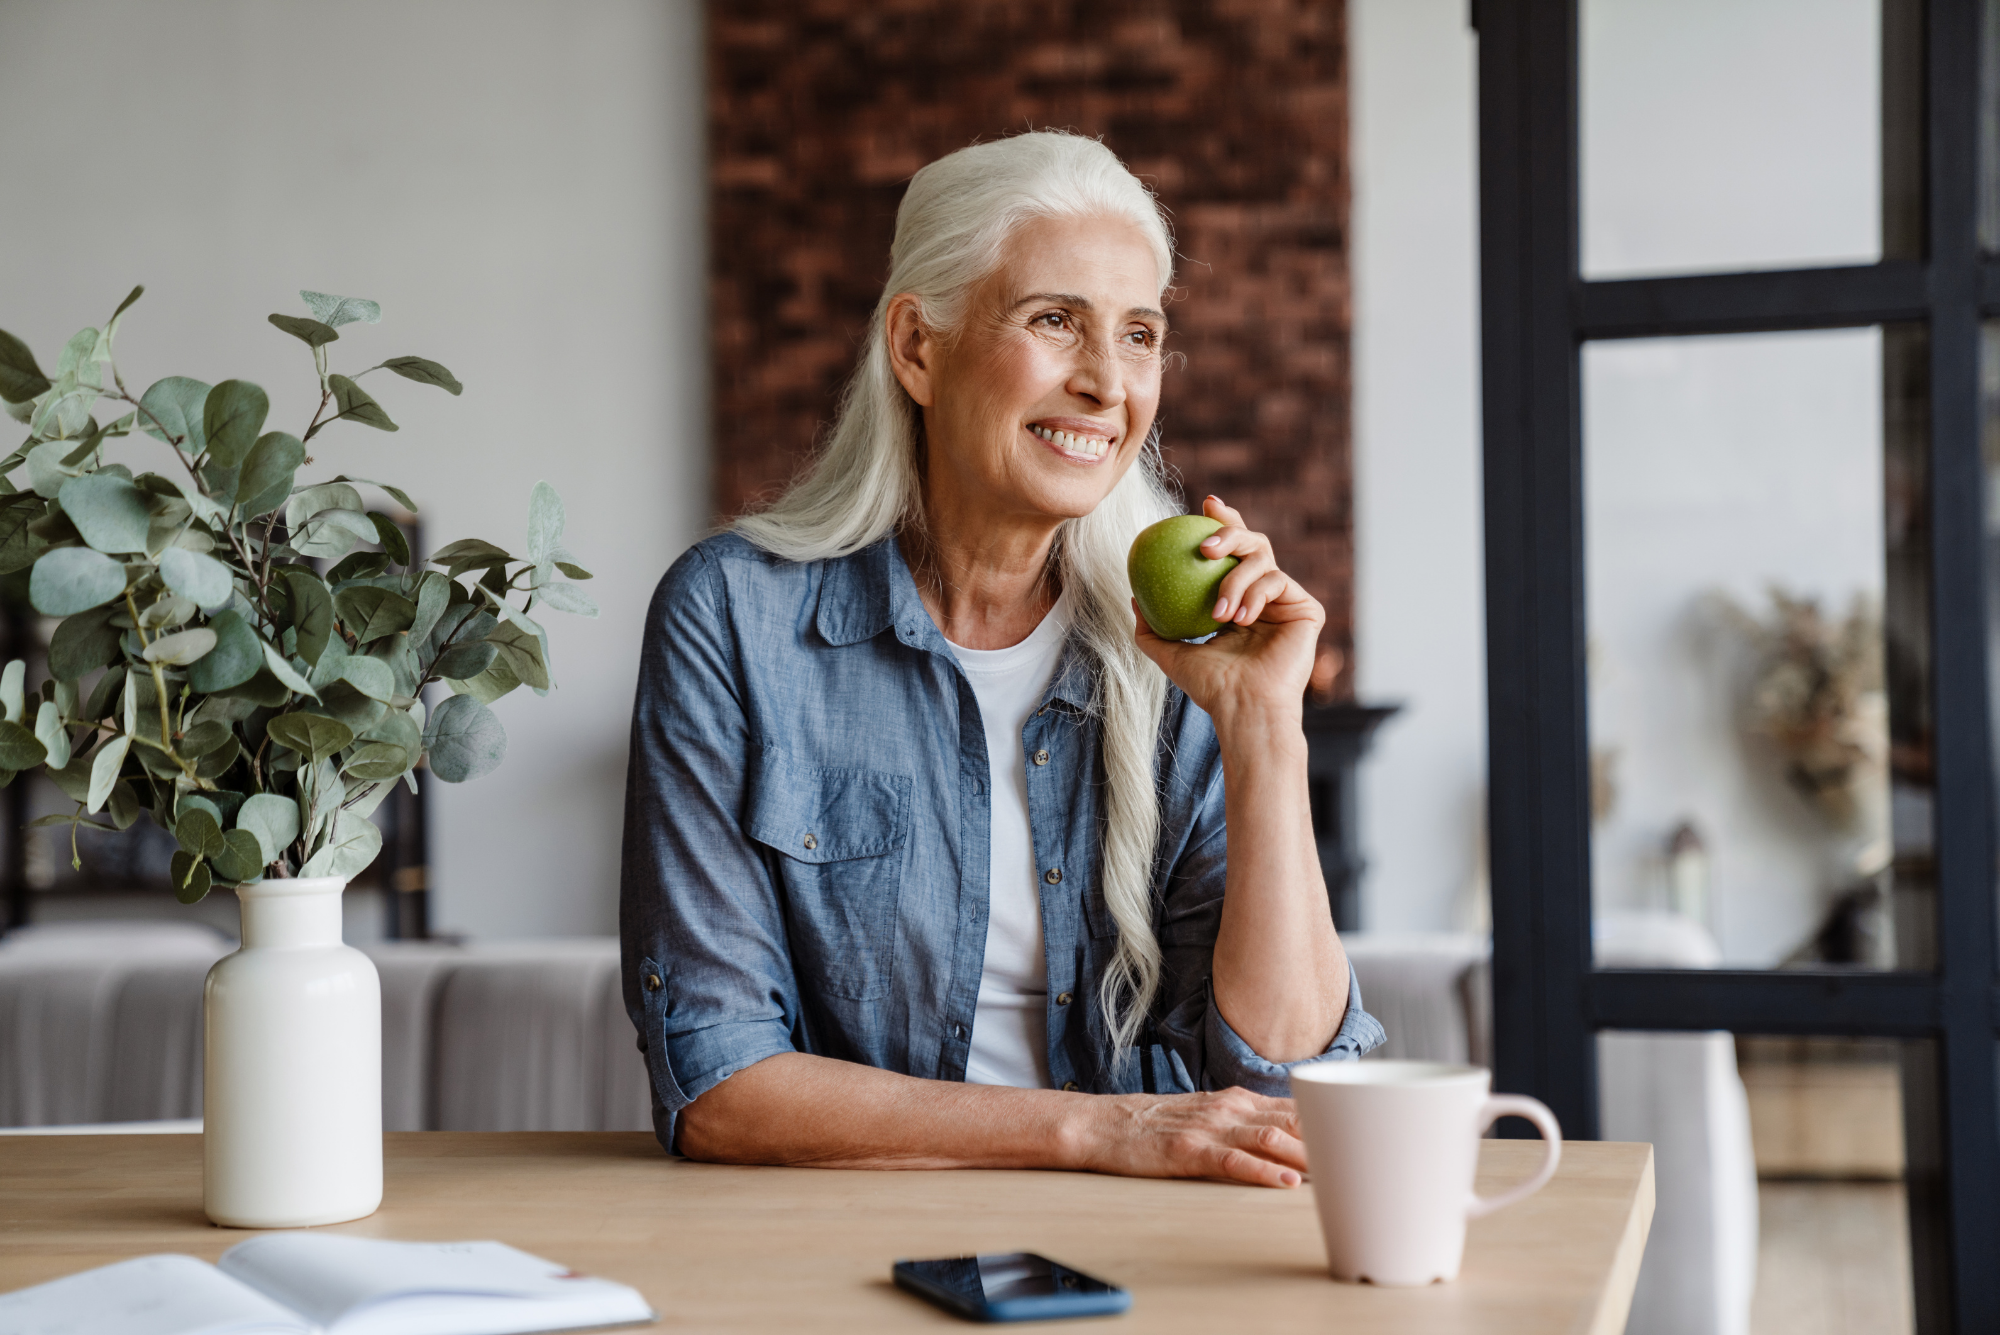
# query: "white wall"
{"type": "Point", "coordinates": [1419, 592]}
{"type": "Point", "coordinates": [521, 186]}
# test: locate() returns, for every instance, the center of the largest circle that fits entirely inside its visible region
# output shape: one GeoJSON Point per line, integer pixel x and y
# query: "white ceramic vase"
{"type": "Point", "coordinates": [292, 1070]}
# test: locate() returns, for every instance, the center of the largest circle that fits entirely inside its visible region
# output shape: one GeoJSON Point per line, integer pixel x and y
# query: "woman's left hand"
{"type": "Point", "coordinates": [1263, 657]}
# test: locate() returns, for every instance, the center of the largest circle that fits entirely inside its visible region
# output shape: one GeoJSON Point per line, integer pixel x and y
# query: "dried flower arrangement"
{"type": "Point", "coordinates": [1817, 699]}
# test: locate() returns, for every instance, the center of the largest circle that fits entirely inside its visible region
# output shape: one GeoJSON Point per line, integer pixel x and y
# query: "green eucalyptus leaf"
{"type": "Point", "coordinates": [566, 598]}
{"type": "Point", "coordinates": [356, 708]}
{"type": "Point", "coordinates": [369, 613]}
{"type": "Point", "coordinates": [19, 747]}
{"type": "Point", "coordinates": [312, 613]}
{"type": "Point", "coordinates": [198, 832]}
{"type": "Point", "coordinates": [390, 535]}
{"type": "Point", "coordinates": [202, 580]}
{"type": "Point", "coordinates": [336, 311]}
{"type": "Point", "coordinates": [356, 406]}
{"type": "Point", "coordinates": [573, 570]}
{"type": "Point", "coordinates": [204, 737]}
{"type": "Point", "coordinates": [424, 373]}
{"type": "Point", "coordinates": [358, 566]}
{"type": "Point", "coordinates": [314, 334]}
{"type": "Point", "coordinates": [126, 305]}
{"type": "Point", "coordinates": [73, 778]}
{"type": "Point", "coordinates": [522, 652]}
{"type": "Point", "coordinates": [353, 845]}
{"type": "Point", "coordinates": [370, 676]}
{"type": "Point", "coordinates": [489, 685]}
{"type": "Point", "coordinates": [433, 597]}
{"type": "Point", "coordinates": [104, 770]}
{"type": "Point", "coordinates": [110, 513]}
{"type": "Point", "coordinates": [376, 761]}
{"type": "Point", "coordinates": [311, 735]}
{"type": "Point", "coordinates": [269, 470]}
{"type": "Point", "coordinates": [286, 673]}
{"type": "Point", "coordinates": [272, 820]}
{"type": "Point", "coordinates": [69, 580]}
{"type": "Point", "coordinates": [19, 546]}
{"type": "Point", "coordinates": [309, 501]}
{"type": "Point", "coordinates": [262, 689]}
{"type": "Point", "coordinates": [232, 418]}
{"type": "Point", "coordinates": [332, 534]}
{"type": "Point", "coordinates": [124, 805]}
{"type": "Point", "coordinates": [49, 731]}
{"type": "Point", "coordinates": [545, 523]}
{"type": "Point", "coordinates": [465, 740]}
{"type": "Point", "coordinates": [105, 693]}
{"type": "Point", "coordinates": [182, 647]}
{"type": "Point", "coordinates": [399, 729]}
{"type": "Point", "coordinates": [236, 658]}
{"type": "Point", "coordinates": [49, 467]}
{"type": "Point", "coordinates": [20, 379]}
{"type": "Point", "coordinates": [402, 497]}
{"type": "Point", "coordinates": [242, 857]}
{"type": "Point", "coordinates": [469, 549]}
{"type": "Point", "coordinates": [191, 877]}
{"type": "Point", "coordinates": [83, 643]}
{"type": "Point", "coordinates": [13, 693]}
{"type": "Point", "coordinates": [172, 409]}
{"type": "Point", "coordinates": [168, 611]}
{"type": "Point", "coordinates": [462, 662]}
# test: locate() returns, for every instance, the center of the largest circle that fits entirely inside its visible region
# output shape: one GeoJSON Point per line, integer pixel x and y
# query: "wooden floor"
{"type": "Point", "coordinates": [1833, 1258]}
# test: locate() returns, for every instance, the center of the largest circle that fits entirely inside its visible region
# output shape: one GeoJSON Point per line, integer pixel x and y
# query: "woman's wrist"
{"type": "Point", "coordinates": [1260, 729]}
{"type": "Point", "coordinates": [1078, 1130]}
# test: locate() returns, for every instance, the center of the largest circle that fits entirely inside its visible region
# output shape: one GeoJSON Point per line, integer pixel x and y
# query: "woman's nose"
{"type": "Point", "coordinates": [1097, 376]}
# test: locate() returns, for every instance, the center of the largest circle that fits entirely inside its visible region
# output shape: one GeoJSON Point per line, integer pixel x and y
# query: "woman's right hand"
{"type": "Point", "coordinates": [1228, 1136]}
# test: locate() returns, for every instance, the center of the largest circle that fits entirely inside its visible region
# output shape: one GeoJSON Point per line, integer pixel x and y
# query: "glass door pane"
{"type": "Point", "coordinates": [1747, 134]}
{"type": "Point", "coordinates": [1756, 613]}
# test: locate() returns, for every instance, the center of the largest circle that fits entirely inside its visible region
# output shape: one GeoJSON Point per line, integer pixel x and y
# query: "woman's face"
{"type": "Point", "coordinates": [1043, 398]}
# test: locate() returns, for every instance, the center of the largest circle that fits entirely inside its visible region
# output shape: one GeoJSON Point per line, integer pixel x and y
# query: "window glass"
{"type": "Point", "coordinates": [1744, 134]}
{"type": "Point", "coordinates": [1758, 647]}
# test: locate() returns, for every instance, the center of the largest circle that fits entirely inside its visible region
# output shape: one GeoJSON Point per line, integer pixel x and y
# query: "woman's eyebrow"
{"type": "Point", "coordinates": [1082, 303]}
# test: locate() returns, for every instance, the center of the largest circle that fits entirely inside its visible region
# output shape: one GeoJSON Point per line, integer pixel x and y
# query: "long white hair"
{"type": "Point", "coordinates": [865, 485]}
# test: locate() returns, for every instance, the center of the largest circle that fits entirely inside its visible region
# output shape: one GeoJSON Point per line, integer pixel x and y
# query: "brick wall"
{"type": "Point", "coordinates": [1234, 111]}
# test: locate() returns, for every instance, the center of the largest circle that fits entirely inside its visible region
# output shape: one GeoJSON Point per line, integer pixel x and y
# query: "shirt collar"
{"type": "Point", "coordinates": [864, 594]}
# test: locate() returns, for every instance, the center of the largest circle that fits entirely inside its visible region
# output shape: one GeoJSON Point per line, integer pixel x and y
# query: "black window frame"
{"type": "Point", "coordinates": [1537, 313]}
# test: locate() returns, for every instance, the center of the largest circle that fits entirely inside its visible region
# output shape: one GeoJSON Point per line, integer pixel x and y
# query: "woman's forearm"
{"type": "Point", "coordinates": [810, 1111]}
{"type": "Point", "coordinates": [796, 1108]}
{"type": "Point", "coordinates": [1280, 975]}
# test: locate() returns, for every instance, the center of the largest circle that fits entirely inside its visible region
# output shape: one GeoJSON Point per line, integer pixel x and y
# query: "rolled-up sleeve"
{"type": "Point", "coordinates": [708, 978]}
{"type": "Point", "coordinates": [1192, 1029]}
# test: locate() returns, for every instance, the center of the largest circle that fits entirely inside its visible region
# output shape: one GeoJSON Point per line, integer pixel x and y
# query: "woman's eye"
{"type": "Point", "coordinates": [1052, 320]}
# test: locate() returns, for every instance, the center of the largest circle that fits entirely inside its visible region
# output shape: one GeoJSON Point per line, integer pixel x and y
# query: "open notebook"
{"type": "Point", "coordinates": [309, 1283]}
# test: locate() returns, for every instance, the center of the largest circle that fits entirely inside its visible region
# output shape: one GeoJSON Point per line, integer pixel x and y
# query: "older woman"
{"type": "Point", "coordinates": [935, 855]}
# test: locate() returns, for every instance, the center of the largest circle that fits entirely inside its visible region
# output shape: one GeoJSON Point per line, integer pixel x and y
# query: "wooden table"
{"type": "Point", "coordinates": [722, 1248]}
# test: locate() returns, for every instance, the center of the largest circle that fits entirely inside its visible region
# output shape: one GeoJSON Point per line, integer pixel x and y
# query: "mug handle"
{"type": "Point", "coordinates": [1519, 1105]}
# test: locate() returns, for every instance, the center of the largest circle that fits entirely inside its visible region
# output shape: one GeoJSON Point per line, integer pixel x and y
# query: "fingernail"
{"type": "Point", "coordinates": [1221, 609]}
{"type": "Point", "coordinates": [1289, 1178]}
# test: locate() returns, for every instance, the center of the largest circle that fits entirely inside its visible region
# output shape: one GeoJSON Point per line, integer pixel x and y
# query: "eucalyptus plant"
{"type": "Point", "coordinates": [242, 654]}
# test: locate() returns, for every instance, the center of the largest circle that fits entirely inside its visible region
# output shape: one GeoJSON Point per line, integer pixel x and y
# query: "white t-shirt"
{"type": "Point", "coordinates": [1010, 1027]}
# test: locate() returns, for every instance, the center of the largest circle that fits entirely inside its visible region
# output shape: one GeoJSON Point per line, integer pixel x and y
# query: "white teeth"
{"type": "Point", "coordinates": [1093, 447]}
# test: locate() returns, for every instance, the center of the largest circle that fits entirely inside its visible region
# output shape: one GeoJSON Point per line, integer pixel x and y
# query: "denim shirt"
{"type": "Point", "coordinates": [806, 860]}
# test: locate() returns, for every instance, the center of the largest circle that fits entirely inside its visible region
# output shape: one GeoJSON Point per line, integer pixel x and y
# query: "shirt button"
{"type": "Point", "coordinates": [812, 841]}
{"type": "Point", "coordinates": [1041, 757]}
{"type": "Point", "coordinates": [1062, 999]}
{"type": "Point", "coordinates": [958, 1031]}
{"type": "Point", "coordinates": [1053, 876]}
{"type": "Point", "coordinates": [1070, 1086]}
{"type": "Point", "coordinates": [652, 982]}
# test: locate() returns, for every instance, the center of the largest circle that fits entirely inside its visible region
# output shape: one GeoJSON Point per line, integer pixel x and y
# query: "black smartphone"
{"type": "Point", "coordinates": [1010, 1286]}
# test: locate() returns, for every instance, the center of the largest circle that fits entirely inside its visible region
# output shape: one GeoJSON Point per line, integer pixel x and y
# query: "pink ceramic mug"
{"type": "Point", "coordinates": [1393, 1146]}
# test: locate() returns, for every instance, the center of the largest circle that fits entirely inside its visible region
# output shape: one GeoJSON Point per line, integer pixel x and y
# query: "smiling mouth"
{"type": "Point", "coordinates": [1083, 446]}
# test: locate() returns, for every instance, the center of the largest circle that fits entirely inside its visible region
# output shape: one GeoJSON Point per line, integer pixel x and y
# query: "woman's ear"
{"type": "Point", "coordinates": [912, 350]}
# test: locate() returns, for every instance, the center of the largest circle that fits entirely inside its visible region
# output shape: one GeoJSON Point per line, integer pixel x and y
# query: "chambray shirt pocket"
{"type": "Point", "coordinates": [836, 841]}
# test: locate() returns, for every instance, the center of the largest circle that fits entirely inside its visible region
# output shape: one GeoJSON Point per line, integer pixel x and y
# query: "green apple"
{"type": "Point", "coordinates": [1174, 583]}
